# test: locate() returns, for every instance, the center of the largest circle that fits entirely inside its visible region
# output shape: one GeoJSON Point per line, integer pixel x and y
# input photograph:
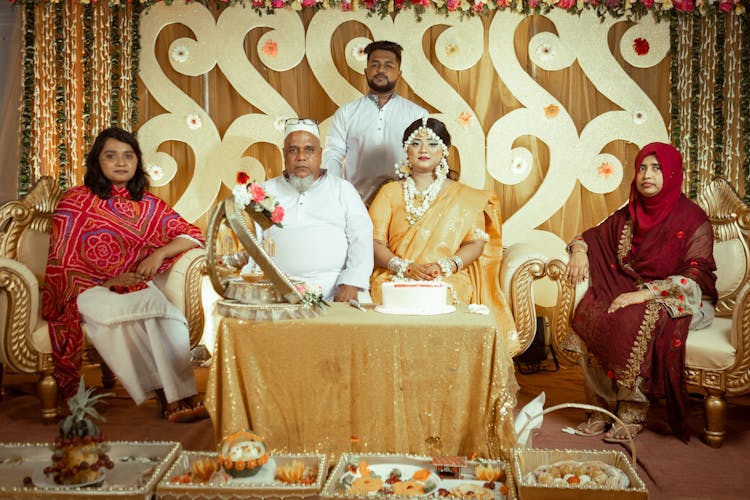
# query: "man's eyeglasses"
{"type": "Point", "coordinates": [297, 121]}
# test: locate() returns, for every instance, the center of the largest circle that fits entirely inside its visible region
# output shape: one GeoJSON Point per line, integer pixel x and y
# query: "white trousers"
{"type": "Point", "coordinates": [143, 338]}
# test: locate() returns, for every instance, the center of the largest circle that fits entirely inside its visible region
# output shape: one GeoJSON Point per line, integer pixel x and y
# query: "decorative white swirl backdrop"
{"type": "Point", "coordinates": [534, 139]}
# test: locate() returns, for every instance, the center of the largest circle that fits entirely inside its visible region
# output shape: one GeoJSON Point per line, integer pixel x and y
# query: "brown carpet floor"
{"type": "Point", "coordinates": [670, 468]}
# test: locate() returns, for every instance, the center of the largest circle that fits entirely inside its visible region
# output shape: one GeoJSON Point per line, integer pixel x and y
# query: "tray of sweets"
{"type": "Point", "coordinates": [199, 475]}
{"type": "Point", "coordinates": [397, 475]}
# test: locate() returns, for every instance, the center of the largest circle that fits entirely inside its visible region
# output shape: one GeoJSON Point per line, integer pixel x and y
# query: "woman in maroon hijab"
{"type": "Point", "coordinates": [651, 265]}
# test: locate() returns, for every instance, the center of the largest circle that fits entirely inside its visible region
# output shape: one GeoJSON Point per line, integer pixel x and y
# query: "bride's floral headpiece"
{"type": "Point", "coordinates": [403, 168]}
{"type": "Point", "coordinates": [252, 194]}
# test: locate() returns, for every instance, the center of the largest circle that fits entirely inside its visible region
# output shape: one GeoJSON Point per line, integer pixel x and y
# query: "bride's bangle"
{"type": "Point", "coordinates": [446, 266]}
{"type": "Point", "coordinates": [397, 266]}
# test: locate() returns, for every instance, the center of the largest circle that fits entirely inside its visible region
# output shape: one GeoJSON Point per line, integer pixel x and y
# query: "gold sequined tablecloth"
{"type": "Point", "coordinates": [353, 381]}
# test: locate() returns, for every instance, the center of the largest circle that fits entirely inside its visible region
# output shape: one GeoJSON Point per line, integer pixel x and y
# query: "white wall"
{"type": "Point", "coordinates": [10, 92]}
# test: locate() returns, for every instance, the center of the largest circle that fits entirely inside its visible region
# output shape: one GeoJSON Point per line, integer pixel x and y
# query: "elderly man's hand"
{"type": "Point", "coordinates": [345, 293]}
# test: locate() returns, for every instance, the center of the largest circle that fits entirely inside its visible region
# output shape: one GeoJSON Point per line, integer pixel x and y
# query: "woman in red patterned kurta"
{"type": "Point", "coordinates": [109, 239]}
{"type": "Point", "coordinates": [652, 277]}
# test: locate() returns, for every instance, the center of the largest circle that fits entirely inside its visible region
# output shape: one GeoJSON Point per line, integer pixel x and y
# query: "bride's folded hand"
{"type": "Point", "coordinates": [423, 272]}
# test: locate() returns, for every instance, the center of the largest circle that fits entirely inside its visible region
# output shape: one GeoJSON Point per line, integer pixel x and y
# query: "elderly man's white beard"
{"type": "Point", "coordinates": [301, 184]}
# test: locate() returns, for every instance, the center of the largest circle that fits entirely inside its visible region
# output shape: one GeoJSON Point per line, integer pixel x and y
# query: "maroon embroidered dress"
{"type": "Point", "coordinates": [651, 239]}
{"type": "Point", "coordinates": [93, 240]}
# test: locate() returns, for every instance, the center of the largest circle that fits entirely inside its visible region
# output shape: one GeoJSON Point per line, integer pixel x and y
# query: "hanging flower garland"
{"type": "Point", "coordinates": [382, 8]}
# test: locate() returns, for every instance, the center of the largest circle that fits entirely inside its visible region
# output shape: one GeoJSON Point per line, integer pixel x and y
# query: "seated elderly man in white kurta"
{"type": "Point", "coordinates": [326, 240]}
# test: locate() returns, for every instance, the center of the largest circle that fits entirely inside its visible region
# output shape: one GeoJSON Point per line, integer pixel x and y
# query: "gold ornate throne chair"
{"type": "Point", "coordinates": [717, 358]}
{"type": "Point", "coordinates": [24, 340]}
{"type": "Point", "coordinates": [521, 266]}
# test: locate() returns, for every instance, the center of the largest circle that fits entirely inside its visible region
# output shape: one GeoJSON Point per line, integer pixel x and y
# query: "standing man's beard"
{"type": "Point", "coordinates": [301, 184]}
{"type": "Point", "coordinates": [386, 87]}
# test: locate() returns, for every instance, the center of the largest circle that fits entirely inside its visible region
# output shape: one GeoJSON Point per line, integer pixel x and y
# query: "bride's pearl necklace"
{"type": "Point", "coordinates": [413, 213]}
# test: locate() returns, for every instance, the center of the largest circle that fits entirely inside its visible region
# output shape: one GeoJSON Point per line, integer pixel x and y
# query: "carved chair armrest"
{"type": "Point", "coordinates": [521, 266]}
{"type": "Point", "coordinates": [568, 297]}
{"type": "Point", "coordinates": [738, 375]}
{"type": "Point", "coordinates": [182, 285]}
{"type": "Point", "coordinates": [19, 306]}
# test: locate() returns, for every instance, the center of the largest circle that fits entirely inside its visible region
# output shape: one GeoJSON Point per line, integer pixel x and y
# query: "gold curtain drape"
{"type": "Point", "coordinates": [78, 54]}
{"type": "Point", "coordinates": [78, 79]}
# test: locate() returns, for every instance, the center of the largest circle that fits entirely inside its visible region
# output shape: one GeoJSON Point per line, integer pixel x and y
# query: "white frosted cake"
{"type": "Point", "coordinates": [415, 297]}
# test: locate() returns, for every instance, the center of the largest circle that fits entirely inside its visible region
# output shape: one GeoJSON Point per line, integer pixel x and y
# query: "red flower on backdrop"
{"type": "Point", "coordinates": [684, 5]}
{"type": "Point", "coordinates": [641, 46]}
{"type": "Point", "coordinates": [533, 3]}
{"type": "Point", "coordinates": [242, 178]}
{"type": "Point", "coordinates": [277, 4]}
{"type": "Point", "coordinates": [503, 3]}
{"type": "Point", "coordinates": [308, 3]}
{"type": "Point", "coordinates": [567, 4]}
{"type": "Point", "coordinates": [453, 4]}
{"type": "Point", "coordinates": [346, 6]}
{"type": "Point", "coordinates": [399, 3]}
{"type": "Point", "coordinates": [726, 6]}
{"type": "Point", "coordinates": [370, 3]}
{"type": "Point", "coordinates": [424, 3]}
{"type": "Point", "coordinates": [648, 3]}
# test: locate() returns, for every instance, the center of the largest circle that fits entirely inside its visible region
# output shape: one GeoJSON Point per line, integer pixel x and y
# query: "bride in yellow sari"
{"type": "Point", "coordinates": [428, 226]}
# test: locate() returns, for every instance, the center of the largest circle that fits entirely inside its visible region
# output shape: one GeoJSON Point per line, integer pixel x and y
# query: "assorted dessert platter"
{"type": "Point", "coordinates": [415, 298]}
{"type": "Point", "coordinates": [562, 474]}
{"type": "Point", "coordinates": [243, 465]}
{"type": "Point", "coordinates": [413, 476]}
{"type": "Point", "coordinates": [586, 474]}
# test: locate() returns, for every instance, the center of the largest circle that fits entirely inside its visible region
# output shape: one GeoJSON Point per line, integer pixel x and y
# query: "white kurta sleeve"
{"type": "Point", "coordinates": [359, 255]}
{"type": "Point", "coordinates": [335, 149]}
{"type": "Point", "coordinates": [680, 295]}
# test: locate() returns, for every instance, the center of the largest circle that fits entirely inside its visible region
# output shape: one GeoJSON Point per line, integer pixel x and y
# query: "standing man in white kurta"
{"type": "Point", "coordinates": [368, 132]}
{"type": "Point", "coordinates": [327, 235]}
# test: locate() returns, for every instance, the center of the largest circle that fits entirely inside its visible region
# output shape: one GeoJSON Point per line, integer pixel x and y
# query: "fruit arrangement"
{"type": "Point", "coordinates": [79, 454]}
{"type": "Point", "coordinates": [242, 454]}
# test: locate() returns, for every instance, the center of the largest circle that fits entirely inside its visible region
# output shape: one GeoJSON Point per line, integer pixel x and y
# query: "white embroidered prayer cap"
{"type": "Point", "coordinates": [301, 124]}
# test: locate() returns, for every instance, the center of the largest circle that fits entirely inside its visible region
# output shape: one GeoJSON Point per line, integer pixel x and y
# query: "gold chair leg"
{"type": "Point", "coordinates": [108, 377]}
{"type": "Point", "coordinates": [47, 390]}
{"type": "Point", "coordinates": [715, 415]}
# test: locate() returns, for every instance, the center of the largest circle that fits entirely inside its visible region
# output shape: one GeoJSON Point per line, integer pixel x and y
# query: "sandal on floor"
{"type": "Point", "coordinates": [180, 413]}
{"type": "Point", "coordinates": [200, 411]}
{"type": "Point", "coordinates": [617, 433]}
{"type": "Point", "coordinates": [592, 427]}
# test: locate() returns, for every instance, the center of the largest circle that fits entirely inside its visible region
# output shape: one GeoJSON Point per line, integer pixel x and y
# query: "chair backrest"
{"type": "Point", "coordinates": [730, 218]}
{"type": "Point", "coordinates": [25, 226]}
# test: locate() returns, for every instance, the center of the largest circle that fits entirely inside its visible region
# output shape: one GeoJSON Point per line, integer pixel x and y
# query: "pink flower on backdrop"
{"type": "Point", "coordinates": [259, 3]}
{"type": "Point", "coordinates": [453, 4]}
{"type": "Point", "coordinates": [477, 7]}
{"type": "Point", "coordinates": [503, 3]}
{"type": "Point", "coordinates": [346, 6]}
{"type": "Point", "coordinates": [370, 3]}
{"type": "Point", "coordinates": [566, 4]}
{"type": "Point", "coordinates": [308, 3]}
{"type": "Point", "coordinates": [648, 3]}
{"type": "Point", "coordinates": [278, 214]}
{"type": "Point", "coordinates": [533, 3]}
{"type": "Point", "coordinates": [242, 178]}
{"type": "Point", "coordinates": [424, 3]}
{"type": "Point", "coordinates": [277, 4]}
{"type": "Point", "coordinates": [605, 170]}
{"type": "Point", "coordinates": [257, 192]}
{"type": "Point", "coordinates": [271, 48]}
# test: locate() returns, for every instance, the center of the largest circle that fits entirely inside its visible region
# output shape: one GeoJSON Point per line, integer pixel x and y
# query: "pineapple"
{"type": "Point", "coordinates": [79, 454]}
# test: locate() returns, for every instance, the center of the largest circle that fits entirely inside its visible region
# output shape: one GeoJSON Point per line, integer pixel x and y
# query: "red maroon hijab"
{"type": "Point", "coordinates": [648, 212]}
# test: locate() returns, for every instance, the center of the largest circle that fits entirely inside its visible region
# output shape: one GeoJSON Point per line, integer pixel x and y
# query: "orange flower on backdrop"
{"type": "Point", "coordinates": [270, 48]}
{"type": "Point", "coordinates": [605, 170]}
